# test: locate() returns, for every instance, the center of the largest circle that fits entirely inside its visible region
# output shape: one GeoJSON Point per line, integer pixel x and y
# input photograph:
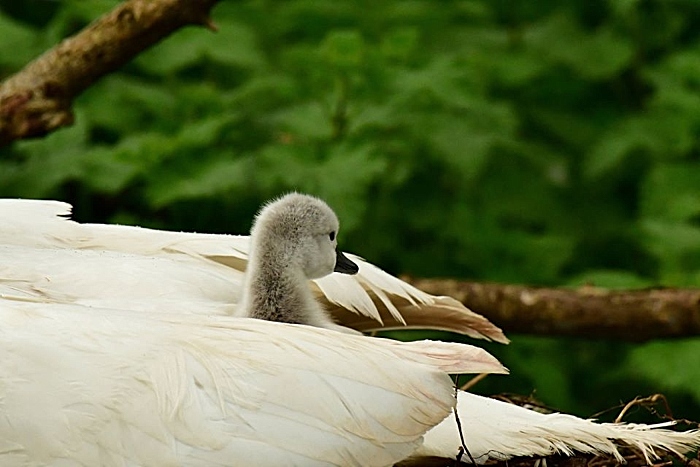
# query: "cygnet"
{"type": "Point", "coordinates": [293, 239]}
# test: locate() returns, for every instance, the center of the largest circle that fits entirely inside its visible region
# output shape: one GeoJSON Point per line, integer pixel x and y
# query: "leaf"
{"type": "Point", "coordinates": [513, 69]}
{"type": "Point", "coordinates": [234, 45]}
{"type": "Point", "coordinates": [342, 176]}
{"type": "Point", "coordinates": [668, 365]}
{"type": "Point", "coordinates": [610, 151]}
{"type": "Point", "coordinates": [264, 93]}
{"type": "Point", "coordinates": [554, 166]}
{"type": "Point", "coordinates": [343, 49]}
{"type": "Point", "coordinates": [676, 85]}
{"type": "Point", "coordinates": [106, 171]}
{"type": "Point", "coordinates": [540, 258]}
{"type": "Point", "coordinates": [576, 130]}
{"type": "Point", "coordinates": [439, 82]}
{"type": "Point", "coordinates": [672, 192]}
{"type": "Point", "coordinates": [400, 43]}
{"type": "Point", "coordinates": [372, 116]}
{"type": "Point", "coordinates": [205, 133]}
{"type": "Point", "coordinates": [109, 169]}
{"type": "Point", "coordinates": [344, 180]}
{"type": "Point", "coordinates": [125, 104]}
{"type": "Point", "coordinates": [594, 55]}
{"type": "Point", "coordinates": [661, 135]}
{"type": "Point", "coordinates": [463, 147]}
{"type": "Point", "coordinates": [18, 43]}
{"type": "Point", "coordinates": [305, 121]}
{"type": "Point", "coordinates": [237, 45]}
{"type": "Point", "coordinates": [208, 178]}
{"type": "Point", "coordinates": [145, 148]}
{"type": "Point", "coordinates": [677, 248]}
{"type": "Point", "coordinates": [671, 238]}
{"type": "Point", "coordinates": [283, 167]}
{"type": "Point", "coordinates": [50, 162]}
{"type": "Point", "coordinates": [87, 10]}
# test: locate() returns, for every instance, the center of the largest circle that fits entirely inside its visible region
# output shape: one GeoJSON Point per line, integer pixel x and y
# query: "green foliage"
{"type": "Point", "coordinates": [533, 142]}
{"type": "Point", "coordinates": [674, 368]}
{"type": "Point", "coordinates": [19, 44]}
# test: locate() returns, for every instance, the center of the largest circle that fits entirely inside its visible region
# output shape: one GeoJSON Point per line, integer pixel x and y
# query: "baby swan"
{"type": "Point", "coordinates": [293, 239]}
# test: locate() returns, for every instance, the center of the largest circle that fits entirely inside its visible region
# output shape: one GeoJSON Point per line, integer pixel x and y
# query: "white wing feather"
{"type": "Point", "coordinates": [371, 293]}
{"type": "Point", "coordinates": [117, 280]}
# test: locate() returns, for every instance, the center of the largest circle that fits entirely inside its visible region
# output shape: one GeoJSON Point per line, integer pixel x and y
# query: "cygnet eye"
{"type": "Point", "coordinates": [332, 235]}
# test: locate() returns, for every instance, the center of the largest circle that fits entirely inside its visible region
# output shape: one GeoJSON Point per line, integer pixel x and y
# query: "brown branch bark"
{"type": "Point", "coordinates": [636, 315]}
{"type": "Point", "coordinates": [38, 99]}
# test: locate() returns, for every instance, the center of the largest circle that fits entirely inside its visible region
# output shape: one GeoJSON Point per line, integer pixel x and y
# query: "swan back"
{"type": "Point", "coordinates": [86, 386]}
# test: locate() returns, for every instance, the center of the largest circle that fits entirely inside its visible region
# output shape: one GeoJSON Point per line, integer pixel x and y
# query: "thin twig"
{"type": "Point", "coordinates": [473, 382]}
{"type": "Point", "coordinates": [463, 448]}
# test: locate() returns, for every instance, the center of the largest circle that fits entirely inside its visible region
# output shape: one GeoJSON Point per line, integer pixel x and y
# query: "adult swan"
{"type": "Point", "coordinates": [110, 296]}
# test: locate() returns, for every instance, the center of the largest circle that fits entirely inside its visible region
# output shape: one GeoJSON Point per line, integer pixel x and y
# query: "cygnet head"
{"type": "Point", "coordinates": [300, 231]}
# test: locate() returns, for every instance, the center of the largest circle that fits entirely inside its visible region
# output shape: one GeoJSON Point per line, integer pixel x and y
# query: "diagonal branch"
{"type": "Point", "coordinates": [38, 99]}
{"type": "Point", "coordinates": [628, 315]}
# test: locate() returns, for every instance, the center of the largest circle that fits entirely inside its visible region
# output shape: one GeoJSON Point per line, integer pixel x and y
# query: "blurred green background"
{"type": "Point", "coordinates": [550, 143]}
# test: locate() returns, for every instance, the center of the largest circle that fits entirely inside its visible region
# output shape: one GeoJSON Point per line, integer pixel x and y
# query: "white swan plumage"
{"type": "Point", "coordinates": [153, 275]}
{"type": "Point", "coordinates": [82, 384]}
{"type": "Point", "coordinates": [87, 386]}
{"type": "Point", "coordinates": [368, 301]}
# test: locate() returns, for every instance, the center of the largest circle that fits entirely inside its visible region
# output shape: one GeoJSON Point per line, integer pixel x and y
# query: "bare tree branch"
{"type": "Point", "coordinates": [590, 312]}
{"type": "Point", "coordinates": [38, 99]}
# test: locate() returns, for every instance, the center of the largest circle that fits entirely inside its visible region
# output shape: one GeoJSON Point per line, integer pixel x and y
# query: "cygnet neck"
{"type": "Point", "coordinates": [277, 289]}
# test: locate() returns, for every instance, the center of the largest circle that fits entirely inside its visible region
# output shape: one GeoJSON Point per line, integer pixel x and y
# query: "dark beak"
{"type": "Point", "coordinates": [343, 264]}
